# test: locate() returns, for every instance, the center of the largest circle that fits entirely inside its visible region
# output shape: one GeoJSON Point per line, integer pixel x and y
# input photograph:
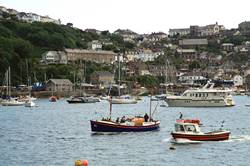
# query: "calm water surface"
{"type": "Point", "coordinates": [59, 133]}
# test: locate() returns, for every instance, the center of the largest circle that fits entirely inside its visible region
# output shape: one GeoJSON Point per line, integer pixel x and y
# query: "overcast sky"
{"type": "Point", "coordinates": [141, 16]}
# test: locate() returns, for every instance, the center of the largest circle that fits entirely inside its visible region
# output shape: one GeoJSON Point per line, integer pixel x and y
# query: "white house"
{"type": "Point", "coordinates": [147, 55]}
{"type": "Point", "coordinates": [238, 80]}
{"type": "Point", "coordinates": [190, 79]}
{"type": "Point", "coordinates": [54, 57]}
{"type": "Point", "coordinates": [181, 32]}
{"type": "Point", "coordinates": [48, 19]}
{"type": "Point", "coordinates": [95, 45]}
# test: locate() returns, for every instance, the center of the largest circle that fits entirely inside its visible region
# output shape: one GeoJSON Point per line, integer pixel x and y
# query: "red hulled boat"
{"type": "Point", "coordinates": [191, 131]}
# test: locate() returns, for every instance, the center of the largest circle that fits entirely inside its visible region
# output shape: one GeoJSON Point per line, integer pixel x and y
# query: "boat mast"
{"type": "Point", "coordinates": [9, 83]}
{"type": "Point", "coordinates": [110, 107]}
{"type": "Point", "coordinates": [119, 75]}
{"type": "Point", "coordinates": [150, 105]}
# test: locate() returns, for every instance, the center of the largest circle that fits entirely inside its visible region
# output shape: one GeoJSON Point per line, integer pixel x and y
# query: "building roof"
{"type": "Point", "coordinates": [89, 51]}
{"type": "Point", "coordinates": [186, 50]}
{"type": "Point", "coordinates": [193, 42]}
{"type": "Point", "coordinates": [61, 81]}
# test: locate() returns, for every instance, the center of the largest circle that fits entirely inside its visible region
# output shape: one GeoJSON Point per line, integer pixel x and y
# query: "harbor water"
{"type": "Point", "coordinates": [59, 133]}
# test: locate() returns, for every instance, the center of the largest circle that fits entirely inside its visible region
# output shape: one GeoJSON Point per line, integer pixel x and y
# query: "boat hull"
{"type": "Point", "coordinates": [197, 103]}
{"type": "Point", "coordinates": [212, 136]}
{"type": "Point", "coordinates": [123, 101]}
{"type": "Point", "coordinates": [97, 126]}
{"type": "Point", "coordinates": [12, 103]}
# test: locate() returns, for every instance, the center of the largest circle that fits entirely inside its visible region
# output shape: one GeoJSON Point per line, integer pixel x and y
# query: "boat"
{"type": "Point", "coordinates": [30, 103]}
{"type": "Point", "coordinates": [191, 131]}
{"type": "Point", "coordinates": [125, 99]}
{"type": "Point", "coordinates": [134, 124]}
{"type": "Point", "coordinates": [53, 99]}
{"type": "Point", "coordinates": [82, 99]}
{"type": "Point", "coordinates": [26, 98]}
{"type": "Point", "coordinates": [10, 101]}
{"type": "Point", "coordinates": [207, 96]}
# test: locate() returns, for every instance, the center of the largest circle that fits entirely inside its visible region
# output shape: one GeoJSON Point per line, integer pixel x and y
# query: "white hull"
{"type": "Point", "coordinates": [30, 104]}
{"type": "Point", "coordinates": [124, 101]}
{"type": "Point", "coordinates": [12, 103]}
{"type": "Point", "coordinates": [199, 103]}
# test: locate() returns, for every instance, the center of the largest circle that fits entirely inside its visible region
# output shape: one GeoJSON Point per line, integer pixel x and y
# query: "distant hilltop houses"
{"type": "Point", "coordinates": [198, 31]}
{"type": "Point", "coordinates": [26, 17]}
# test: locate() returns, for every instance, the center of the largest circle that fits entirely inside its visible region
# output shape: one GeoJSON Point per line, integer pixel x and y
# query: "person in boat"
{"type": "Point", "coordinates": [117, 120]}
{"type": "Point", "coordinates": [123, 119]}
{"type": "Point", "coordinates": [146, 117]}
{"type": "Point", "coordinates": [180, 115]}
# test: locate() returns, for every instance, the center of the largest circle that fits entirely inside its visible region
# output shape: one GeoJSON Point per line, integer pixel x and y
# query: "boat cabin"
{"type": "Point", "coordinates": [187, 127]}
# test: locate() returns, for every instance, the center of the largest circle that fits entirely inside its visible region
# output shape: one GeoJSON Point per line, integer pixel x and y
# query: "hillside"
{"type": "Point", "coordinates": [22, 44]}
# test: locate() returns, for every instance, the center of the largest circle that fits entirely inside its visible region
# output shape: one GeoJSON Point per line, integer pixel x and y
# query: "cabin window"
{"type": "Point", "coordinates": [199, 94]}
{"type": "Point", "coordinates": [179, 128]}
{"type": "Point", "coordinates": [196, 95]}
{"type": "Point", "coordinates": [190, 128]}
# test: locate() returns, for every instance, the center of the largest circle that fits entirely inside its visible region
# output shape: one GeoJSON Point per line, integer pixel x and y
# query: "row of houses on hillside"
{"type": "Point", "coordinates": [74, 55]}
{"type": "Point", "coordinates": [27, 17]}
{"type": "Point", "coordinates": [198, 31]}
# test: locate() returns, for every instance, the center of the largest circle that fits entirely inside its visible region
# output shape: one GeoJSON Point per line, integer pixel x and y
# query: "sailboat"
{"type": "Point", "coordinates": [83, 98]}
{"type": "Point", "coordinates": [9, 101]}
{"type": "Point", "coordinates": [124, 99]}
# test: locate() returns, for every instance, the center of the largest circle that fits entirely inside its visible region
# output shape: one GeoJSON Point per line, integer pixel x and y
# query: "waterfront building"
{"type": "Point", "coordinates": [59, 85]}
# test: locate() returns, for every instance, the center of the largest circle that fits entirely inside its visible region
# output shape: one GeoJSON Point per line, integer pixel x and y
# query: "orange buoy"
{"type": "Point", "coordinates": [85, 162]}
{"type": "Point", "coordinates": [81, 163]}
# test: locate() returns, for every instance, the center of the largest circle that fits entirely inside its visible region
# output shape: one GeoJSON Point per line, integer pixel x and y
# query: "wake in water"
{"type": "Point", "coordinates": [180, 141]}
{"type": "Point", "coordinates": [238, 138]}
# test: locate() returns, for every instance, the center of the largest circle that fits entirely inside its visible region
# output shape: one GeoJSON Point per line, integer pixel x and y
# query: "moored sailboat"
{"type": "Point", "coordinates": [9, 101]}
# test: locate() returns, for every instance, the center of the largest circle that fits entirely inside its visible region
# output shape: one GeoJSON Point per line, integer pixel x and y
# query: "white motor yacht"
{"type": "Point", "coordinates": [207, 96]}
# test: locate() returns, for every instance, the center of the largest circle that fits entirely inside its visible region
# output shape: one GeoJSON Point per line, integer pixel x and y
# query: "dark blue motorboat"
{"type": "Point", "coordinates": [129, 126]}
{"type": "Point", "coordinates": [135, 124]}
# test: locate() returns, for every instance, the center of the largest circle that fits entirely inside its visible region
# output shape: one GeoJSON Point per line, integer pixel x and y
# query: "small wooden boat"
{"type": "Point", "coordinates": [135, 124]}
{"type": "Point", "coordinates": [129, 126]}
{"type": "Point", "coordinates": [191, 131]}
{"type": "Point", "coordinates": [53, 99]}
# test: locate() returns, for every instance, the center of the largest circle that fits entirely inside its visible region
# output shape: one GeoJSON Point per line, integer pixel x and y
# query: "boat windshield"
{"type": "Point", "coordinates": [179, 127]}
{"type": "Point", "coordinates": [190, 128]}
{"type": "Point", "coordinates": [186, 128]}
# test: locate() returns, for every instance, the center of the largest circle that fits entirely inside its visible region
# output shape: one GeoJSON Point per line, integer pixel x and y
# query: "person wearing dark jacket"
{"type": "Point", "coordinates": [146, 117]}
